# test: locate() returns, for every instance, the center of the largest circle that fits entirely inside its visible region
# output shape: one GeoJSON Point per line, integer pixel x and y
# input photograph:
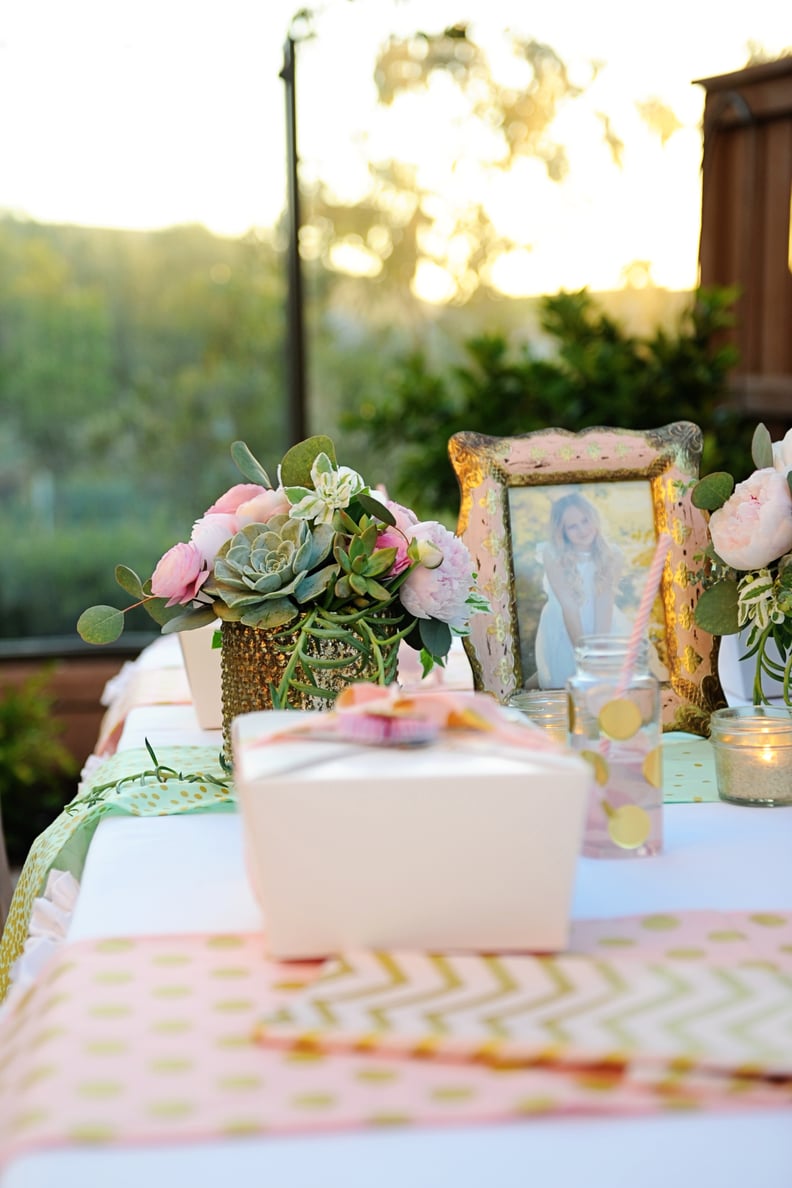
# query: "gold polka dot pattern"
{"type": "Point", "coordinates": [70, 1071]}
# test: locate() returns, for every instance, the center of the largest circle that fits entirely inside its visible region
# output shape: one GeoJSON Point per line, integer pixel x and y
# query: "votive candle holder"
{"type": "Point", "coordinates": [752, 746]}
{"type": "Point", "coordinates": [546, 708]}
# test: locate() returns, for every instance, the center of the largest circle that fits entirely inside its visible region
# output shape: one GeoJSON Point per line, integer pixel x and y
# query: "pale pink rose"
{"type": "Point", "coordinates": [263, 507]}
{"type": "Point", "coordinates": [754, 526]}
{"type": "Point", "coordinates": [228, 504]}
{"type": "Point", "coordinates": [440, 592]}
{"type": "Point", "coordinates": [782, 453]}
{"type": "Point", "coordinates": [212, 531]}
{"type": "Point", "coordinates": [179, 575]}
{"type": "Point", "coordinates": [398, 538]}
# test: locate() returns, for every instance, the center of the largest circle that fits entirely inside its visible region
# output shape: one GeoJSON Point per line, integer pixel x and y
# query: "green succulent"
{"type": "Point", "coordinates": [266, 572]}
{"type": "Point", "coordinates": [362, 564]}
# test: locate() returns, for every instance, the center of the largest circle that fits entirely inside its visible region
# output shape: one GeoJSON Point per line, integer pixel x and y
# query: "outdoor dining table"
{"type": "Point", "coordinates": [171, 880]}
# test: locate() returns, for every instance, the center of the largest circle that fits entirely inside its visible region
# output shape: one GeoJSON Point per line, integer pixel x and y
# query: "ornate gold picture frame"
{"type": "Point", "coordinates": [633, 485]}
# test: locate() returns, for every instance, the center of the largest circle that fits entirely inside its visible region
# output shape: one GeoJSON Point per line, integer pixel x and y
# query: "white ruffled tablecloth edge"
{"type": "Point", "coordinates": [49, 924]}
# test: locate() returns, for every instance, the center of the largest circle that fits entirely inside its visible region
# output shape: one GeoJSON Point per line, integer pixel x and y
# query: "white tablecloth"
{"type": "Point", "coordinates": [171, 874]}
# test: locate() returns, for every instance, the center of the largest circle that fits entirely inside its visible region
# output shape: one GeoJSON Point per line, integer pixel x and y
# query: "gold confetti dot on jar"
{"type": "Point", "coordinates": [598, 765]}
{"type": "Point", "coordinates": [571, 713]}
{"type": "Point", "coordinates": [652, 768]}
{"type": "Point", "coordinates": [620, 719]}
{"type": "Point", "coordinates": [629, 826]}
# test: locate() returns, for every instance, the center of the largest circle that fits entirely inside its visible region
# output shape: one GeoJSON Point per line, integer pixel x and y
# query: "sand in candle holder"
{"type": "Point", "coordinates": [752, 745]}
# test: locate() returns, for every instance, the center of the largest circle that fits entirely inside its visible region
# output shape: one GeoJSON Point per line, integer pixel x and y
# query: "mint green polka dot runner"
{"type": "Point", "coordinates": [135, 782]}
{"type": "Point", "coordinates": [688, 769]}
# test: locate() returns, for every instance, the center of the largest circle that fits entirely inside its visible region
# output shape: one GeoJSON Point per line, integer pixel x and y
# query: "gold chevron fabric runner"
{"type": "Point", "coordinates": [564, 1010]}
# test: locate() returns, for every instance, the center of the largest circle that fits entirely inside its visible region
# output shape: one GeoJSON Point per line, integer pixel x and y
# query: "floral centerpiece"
{"type": "Point", "coordinates": [321, 562]}
{"type": "Point", "coordinates": [748, 571]}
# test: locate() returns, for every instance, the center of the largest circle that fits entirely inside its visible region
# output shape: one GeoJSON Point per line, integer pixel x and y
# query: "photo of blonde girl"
{"type": "Point", "coordinates": [582, 572]}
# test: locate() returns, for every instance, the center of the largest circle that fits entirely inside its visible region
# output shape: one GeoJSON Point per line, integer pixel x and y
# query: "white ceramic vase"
{"type": "Point", "coordinates": [737, 673]}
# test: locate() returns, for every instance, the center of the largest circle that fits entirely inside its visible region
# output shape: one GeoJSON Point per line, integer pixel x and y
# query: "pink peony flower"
{"type": "Point", "coordinates": [228, 504]}
{"type": "Point", "coordinates": [754, 526]}
{"type": "Point", "coordinates": [398, 538]}
{"type": "Point", "coordinates": [179, 575]}
{"type": "Point", "coordinates": [263, 507]}
{"type": "Point", "coordinates": [440, 592]}
{"type": "Point", "coordinates": [212, 531]}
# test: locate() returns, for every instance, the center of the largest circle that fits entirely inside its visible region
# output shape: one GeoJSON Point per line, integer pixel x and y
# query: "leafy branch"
{"type": "Point", "coordinates": [160, 773]}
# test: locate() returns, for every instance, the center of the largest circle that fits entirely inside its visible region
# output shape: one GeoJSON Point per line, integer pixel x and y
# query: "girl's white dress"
{"type": "Point", "coordinates": [555, 656]}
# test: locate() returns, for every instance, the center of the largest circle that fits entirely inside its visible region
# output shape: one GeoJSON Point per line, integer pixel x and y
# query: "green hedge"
{"type": "Point", "coordinates": [596, 374]}
{"type": "Point", "coordinates": [50, 577]}
{"type": "Point", "coordinates": [37, 773]}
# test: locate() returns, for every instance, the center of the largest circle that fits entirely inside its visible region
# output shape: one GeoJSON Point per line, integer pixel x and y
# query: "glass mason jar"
{"type": "Point", "coordinates": [752, 745]}
{"type": "Point", "coordinates": [546, 708]}
{"type": "Point", "coordinates": [614, 724]}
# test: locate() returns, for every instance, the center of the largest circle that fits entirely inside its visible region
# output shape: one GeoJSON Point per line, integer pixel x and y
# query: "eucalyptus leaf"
{"type": "Point", "coordinates": [716, 609]}
{"type": "Point", "coordinates": [161, 613]}
{"type": "Point", "coordinates": [712, 491]}
{"type": "Point", "coordinates": [248, 465]}
{"type": "Point", "coordinates": [762, 447]}
{"type": "Point", "coordinates": [375, 508]}
{"type": "Point", "coordinates": [129, 581]}
{"type": "Point", "coordinates": [100, 624]}
{"type": "Point", "coordinates": [186, 620]}
{"type": "Point", "coordinates": [297, 462]}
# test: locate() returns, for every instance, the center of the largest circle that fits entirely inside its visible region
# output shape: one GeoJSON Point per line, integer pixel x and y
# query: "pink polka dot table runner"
{"type": "Point", "coordinates": [187, 1038]}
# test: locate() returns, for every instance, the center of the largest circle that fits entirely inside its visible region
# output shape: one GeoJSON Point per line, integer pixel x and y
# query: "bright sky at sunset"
{"type": "Point", "coordinates": [146, 113]}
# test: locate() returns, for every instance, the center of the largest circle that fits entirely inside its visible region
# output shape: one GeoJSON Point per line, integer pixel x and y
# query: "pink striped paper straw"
{"type": "Point", "coordinates": [648, 596]}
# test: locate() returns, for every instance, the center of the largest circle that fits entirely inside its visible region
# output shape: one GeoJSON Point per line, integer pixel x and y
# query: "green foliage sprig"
{"type": "Point", "coordinates": [160, 773]}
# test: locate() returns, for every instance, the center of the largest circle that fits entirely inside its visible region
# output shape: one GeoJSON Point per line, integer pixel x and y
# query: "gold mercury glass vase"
{"type": "Point", "coordinates": [255, 659]}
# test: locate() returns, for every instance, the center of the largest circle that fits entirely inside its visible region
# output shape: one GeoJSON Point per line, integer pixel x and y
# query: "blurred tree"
{"type": "Point", "coordinates": [136, 358]}
{"type": "Point", "coordinates": [55, 350]}
{"type": "Point", "coordinates": [404, 223]}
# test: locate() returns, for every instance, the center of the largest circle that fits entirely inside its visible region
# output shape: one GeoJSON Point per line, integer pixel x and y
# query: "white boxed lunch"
{"type": "Point", "coordinates": [466, 843]}
{"type": "Point", "coordinates": [202, 664]}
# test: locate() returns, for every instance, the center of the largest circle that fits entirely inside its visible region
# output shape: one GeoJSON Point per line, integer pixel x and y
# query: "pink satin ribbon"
{"type": "Point", "coordinates": [387, 716]}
